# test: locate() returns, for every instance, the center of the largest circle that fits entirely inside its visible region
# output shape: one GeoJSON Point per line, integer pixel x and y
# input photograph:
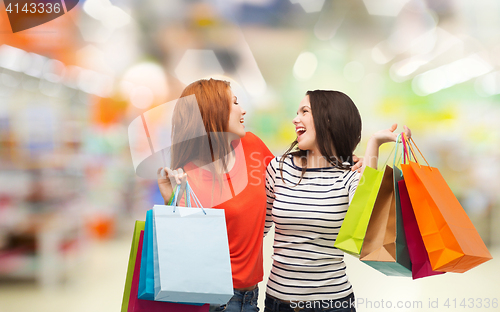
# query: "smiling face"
{"type": "Point", "coordinates": [304, 126]}
{"type": "Point", "coordinates": [236, 113]}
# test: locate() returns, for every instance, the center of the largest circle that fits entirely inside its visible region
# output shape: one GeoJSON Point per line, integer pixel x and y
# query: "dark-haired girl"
{"type": "Point", "coordinates": [309, 189]}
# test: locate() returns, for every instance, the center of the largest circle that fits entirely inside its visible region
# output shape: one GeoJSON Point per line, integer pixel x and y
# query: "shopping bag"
{"type": "Point", "coordinates": [146, 279]}
{"type": "Point", "coordinates": [139, 226]}
{"type": "Point", "coordinates": [179, 238]}
{"type": "Point", "coordinates": [139, 305]}
{"type": "Point", "coordinates": [402, 251]}
{"type": "Point", "coordinates": [353, 229]}
{"type": "Point", "coordinates": [420, 264]}
{"type": "Point", "coordinates": [384, 247]}
{"type": "Point", "coordinates": [450, 238]}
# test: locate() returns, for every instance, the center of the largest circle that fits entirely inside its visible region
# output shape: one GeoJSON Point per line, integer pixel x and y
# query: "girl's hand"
{"type": "Point", "coordinates": [377, 139]}
{"type": "Point", "coordinates": [388, 135]}
{"type": "Point", "coordinates": [358, 163]}
{"type": "Point", "coordinates": [168, 180]}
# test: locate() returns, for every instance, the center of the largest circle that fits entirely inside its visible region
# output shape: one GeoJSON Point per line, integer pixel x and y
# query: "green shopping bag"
{"type": "Point", "coordinates": [139, 226]}
{"type": "Point", "coordinates": [353, 229]}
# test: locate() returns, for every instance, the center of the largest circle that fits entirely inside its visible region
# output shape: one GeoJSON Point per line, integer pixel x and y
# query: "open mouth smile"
{"type": "Point", "coordinates": [300, 131]}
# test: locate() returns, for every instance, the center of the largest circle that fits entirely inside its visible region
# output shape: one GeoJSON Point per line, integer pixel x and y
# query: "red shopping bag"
{"type": "Point", "coordinates": [421, 266]}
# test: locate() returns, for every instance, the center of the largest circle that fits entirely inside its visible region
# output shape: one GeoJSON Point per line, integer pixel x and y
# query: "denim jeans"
{"type": "Point", "coordinates": [346, 304]}
{"type": "Point", "coordinates": [242, 301]}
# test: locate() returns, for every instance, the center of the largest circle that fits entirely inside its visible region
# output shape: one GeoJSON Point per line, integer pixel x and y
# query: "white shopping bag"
{"type": "Point", "coordinates": [191, 255]}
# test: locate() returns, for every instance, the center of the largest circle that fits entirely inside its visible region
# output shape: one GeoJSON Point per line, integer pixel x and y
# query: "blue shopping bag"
{"type": "Point", "coordinates": [146, 278]}
{"type": "Point", "coordinates": [179, 238]}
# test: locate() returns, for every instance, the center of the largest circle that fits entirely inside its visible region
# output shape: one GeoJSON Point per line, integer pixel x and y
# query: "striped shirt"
{"type": "Point", "coordinates": [307, 219]}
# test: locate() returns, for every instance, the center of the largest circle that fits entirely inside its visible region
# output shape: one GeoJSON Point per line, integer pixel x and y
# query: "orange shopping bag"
{"type": "Point", "coordinates": [450, 238]}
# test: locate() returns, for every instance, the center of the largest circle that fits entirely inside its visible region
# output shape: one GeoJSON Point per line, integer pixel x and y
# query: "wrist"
{"type": "Point", "coordinates": [374, 141]}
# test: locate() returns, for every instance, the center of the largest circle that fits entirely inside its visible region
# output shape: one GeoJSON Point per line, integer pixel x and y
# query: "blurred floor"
{"type": "Point", "coordinates": [98, 285]}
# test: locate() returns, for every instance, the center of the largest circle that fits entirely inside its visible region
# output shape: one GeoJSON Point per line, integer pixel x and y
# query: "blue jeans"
{"type": "Point", "coordinates": [242, 301]}
{"type": "Point", "coordinates": [346, 304]}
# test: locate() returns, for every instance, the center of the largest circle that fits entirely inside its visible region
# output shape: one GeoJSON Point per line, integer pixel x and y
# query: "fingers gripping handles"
{"type": "Point", "coordinates": [408, 152]}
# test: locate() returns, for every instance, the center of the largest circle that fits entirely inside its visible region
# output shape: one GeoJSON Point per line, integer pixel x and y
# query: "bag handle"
{"type": "Point", "coordinates": [399, 140]}
{"type": "Point", "coordinates": [188, 193]}
{"type": "Point", "coordinates": [409, 149]}
{"type": "Point", "coordinates": [396, 152]}
{"type": "Point", "coordinates": [173, 196]}
{"type": "Point", "coordinates": [406, 154]}
{"type": "Point", "coordinates": [413, 151]}
{"type": "Point", "coordinates": [389, 157]}
{"type": "Point", "coordinates": [196, 200]}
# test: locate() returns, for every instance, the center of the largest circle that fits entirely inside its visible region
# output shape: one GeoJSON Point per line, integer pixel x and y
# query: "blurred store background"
{"type": "Point", "coordinates": [70, 88]}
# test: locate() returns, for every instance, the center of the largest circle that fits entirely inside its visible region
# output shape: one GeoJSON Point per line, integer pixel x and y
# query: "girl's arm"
{"type": "Point", "coordinates": [371, 154]}
{"type": "Point", "coordinates": [270, 179]}
{"type": "Point", "coordinates": [377, 139]}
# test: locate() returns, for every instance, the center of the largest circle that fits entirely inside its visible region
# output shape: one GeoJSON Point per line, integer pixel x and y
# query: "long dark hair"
{"type": "Point", "coordinates": [338, 129]}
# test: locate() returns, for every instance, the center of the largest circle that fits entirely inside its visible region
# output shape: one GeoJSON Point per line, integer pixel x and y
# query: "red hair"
{"type": "Point", "coordinates": [212, 98]}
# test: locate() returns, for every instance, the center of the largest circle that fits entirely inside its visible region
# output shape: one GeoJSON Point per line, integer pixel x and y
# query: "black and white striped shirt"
{"type": "Point", "coordinates": [307, 219]}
